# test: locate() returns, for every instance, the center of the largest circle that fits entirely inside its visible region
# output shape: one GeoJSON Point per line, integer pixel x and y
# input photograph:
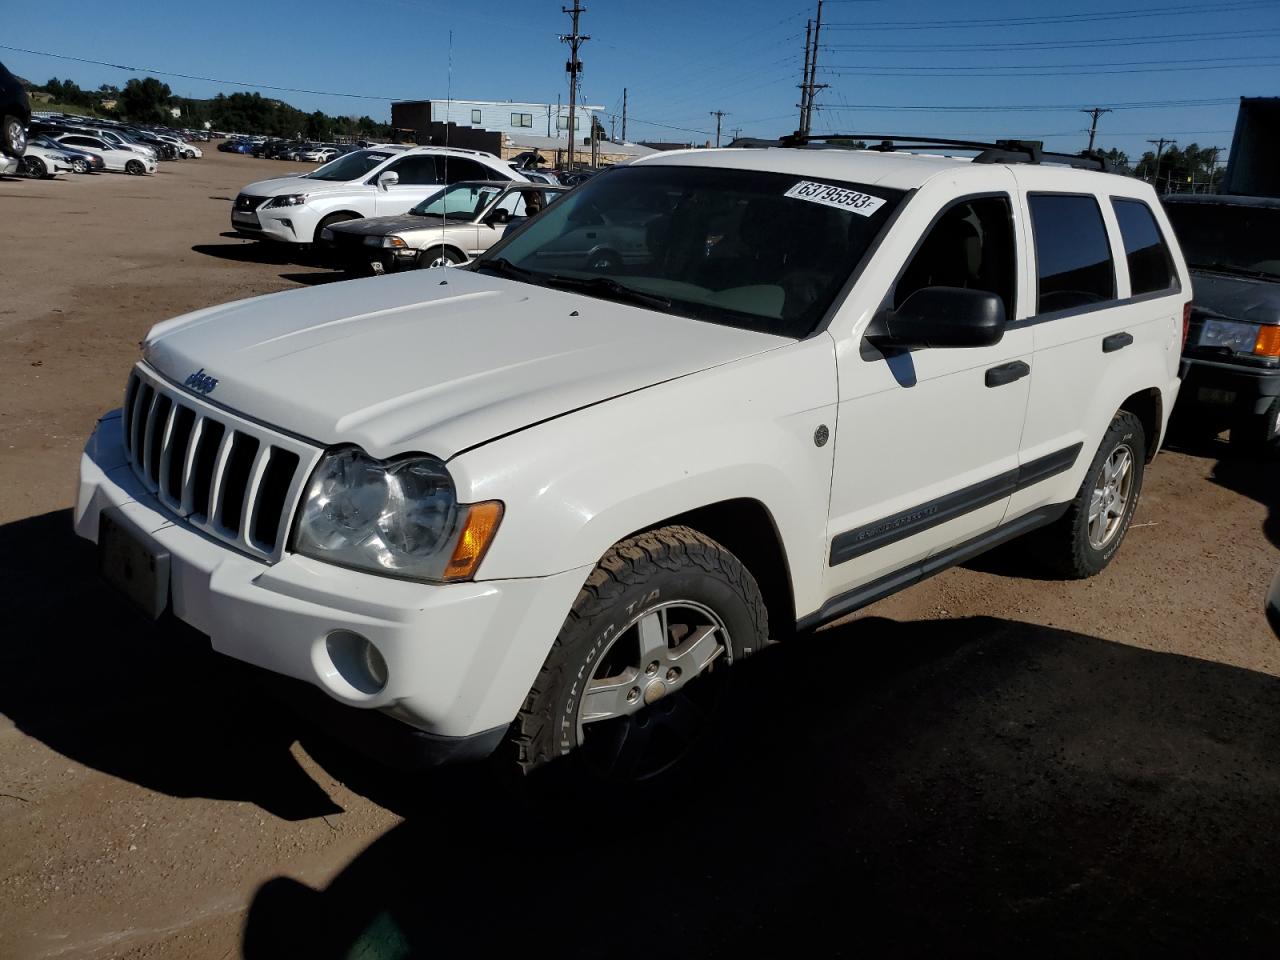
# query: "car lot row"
{"type": "Point", "coordinates": [82, 145]}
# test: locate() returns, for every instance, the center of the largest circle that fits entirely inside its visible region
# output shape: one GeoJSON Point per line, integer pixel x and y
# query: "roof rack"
{"type": "Point", "coordinates": [1001, 151]}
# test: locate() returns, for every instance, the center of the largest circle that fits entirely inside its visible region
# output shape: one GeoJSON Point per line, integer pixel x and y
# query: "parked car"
{"type": "Point", "coordinates": [123, 141]}
{"type": "Point", "coordinates": [365, 183]}
{"type": "Point", "coordinates": [82, 161]}
{"type": "Point", "coordinates": [41, 162]}
{"type": "Point", "coordinates": [505, 503]}
{"type": "Point", "coordinates": [318, 155]}
{"type": "Point", "coordinates": [455, 225]}
{"type": "Point", "coordinates": [121, 161]}
{"type": "Point", "coordinates": [1232, 358]}
{"type": "Point", "coordinates": [1273, 605]}
{"type": "Point", "coordinates": [182, 149]}
{"type": "Point", "coordinates": [15, 114]}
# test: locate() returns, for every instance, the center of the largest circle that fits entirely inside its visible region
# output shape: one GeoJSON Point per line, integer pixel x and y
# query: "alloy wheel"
{"type": "Point", "coordinates": [1112, 490]}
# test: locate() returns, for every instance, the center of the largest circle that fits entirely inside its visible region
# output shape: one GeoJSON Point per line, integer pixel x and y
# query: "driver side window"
{"type": "Point", "coordinates": [971, 245]}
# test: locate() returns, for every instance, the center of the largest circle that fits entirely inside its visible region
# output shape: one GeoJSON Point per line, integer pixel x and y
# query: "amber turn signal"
{"type": "Point", "coordinates": [478, 529]}
{"type": "Point", "coordinates": [1268, 344]}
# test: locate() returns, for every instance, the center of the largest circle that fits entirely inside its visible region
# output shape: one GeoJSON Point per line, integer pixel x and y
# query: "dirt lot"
{"type": "Point", "coordinates": [989, 761]}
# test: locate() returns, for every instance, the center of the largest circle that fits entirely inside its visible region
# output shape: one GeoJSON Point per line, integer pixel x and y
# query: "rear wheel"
{"type": "Point", "coordinates": [1258, 435]}
{"type": "Point", "coordinates": [1083, 542]}
{"type": "Point", "coordinates": [639, 665]}
{"type": "Point", "coordinates": [13, 137]}
{"type": "Point", "coordinates": [80, 165]}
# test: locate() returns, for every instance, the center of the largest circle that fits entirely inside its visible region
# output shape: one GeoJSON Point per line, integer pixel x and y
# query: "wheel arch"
{"type": "Point", "coordinates": [443, 246]}
{"type": "Point", "coordinates": [746, 528]}
{"type": "Point", "coordinates": [1148, 407]}
{"type": "Point", "coordinates": [334, 216]}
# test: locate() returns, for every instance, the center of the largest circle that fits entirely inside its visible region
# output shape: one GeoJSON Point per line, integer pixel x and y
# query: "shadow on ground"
{"type": "Point", "coordinates": [1250, 477]}
{"type": "Point", "coordinates": [147, 702]}
{"type": "Point", "coordinates": [943, 787]}
{"type": "Point", "coordinates": [243, 250]}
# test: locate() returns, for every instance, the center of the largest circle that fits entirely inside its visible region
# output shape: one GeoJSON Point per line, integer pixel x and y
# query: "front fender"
{"type": "Point", "coordinates": [575, 485]}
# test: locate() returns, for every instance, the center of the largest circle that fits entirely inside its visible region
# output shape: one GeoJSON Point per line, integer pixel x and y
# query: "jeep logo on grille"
{"type": "Point", "coordinates": [201, 382]}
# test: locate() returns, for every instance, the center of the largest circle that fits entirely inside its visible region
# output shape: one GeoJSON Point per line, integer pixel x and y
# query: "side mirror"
{"type": "Point", "coordinates": [941, 317]}
{"type": "Point", "coordinates": [388, 178]}
{"type": "Point", "coordinates": [498, 217]}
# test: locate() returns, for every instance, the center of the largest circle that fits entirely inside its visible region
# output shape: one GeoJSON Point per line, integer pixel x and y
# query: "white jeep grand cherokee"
{"type": "Point", "coordinates": [377, 182]}
{"type": "Point", "coordinates": [535, 501]}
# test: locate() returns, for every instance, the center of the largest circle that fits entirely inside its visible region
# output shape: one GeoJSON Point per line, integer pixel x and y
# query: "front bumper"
{"type": "Point", "coordinates": [1253, 388]}
{"type": "Point", "coordinates": [8, 165]}
{"type": "Point", "coordinates": [460, 657]}
{"type": "Point", "coordinates": [275, 223]}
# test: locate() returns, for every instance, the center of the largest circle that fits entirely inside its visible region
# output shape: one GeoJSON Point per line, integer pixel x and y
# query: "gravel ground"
{"type": "Point", "coordinates": [989, 761]}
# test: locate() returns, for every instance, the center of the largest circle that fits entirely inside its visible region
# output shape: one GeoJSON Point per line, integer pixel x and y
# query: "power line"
{"type": "Point", "coordinates": [1131, 13]}
{"type": "Point", "coordinates": [1032, 72]}
{"type": "Point", "coordinates": [1055, 44]}
{"type": "Point", "coordinates": [1056, 66]}
{"type": "Point", "coordinates": [1050, 107]}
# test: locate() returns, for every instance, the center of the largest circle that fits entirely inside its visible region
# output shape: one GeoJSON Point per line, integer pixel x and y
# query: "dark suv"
{"type": "Point", "coordinates": [15, 114]}
{"type": "Point", "coordinates": [1231, 362]}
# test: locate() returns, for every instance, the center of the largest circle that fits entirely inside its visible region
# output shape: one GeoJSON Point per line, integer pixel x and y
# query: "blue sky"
{"type": "Point", "coordinates": [681, 60]}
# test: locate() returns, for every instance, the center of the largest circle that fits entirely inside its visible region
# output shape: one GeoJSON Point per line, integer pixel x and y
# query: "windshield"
{"type": "Point", "coordinates": [764, 251]}
{"type": "Point", "coordinates": [1231, 238]}
{"type": "Point", "coordinates": [353, 166]}
{"type": "Point", "coordinates": [462, 200]}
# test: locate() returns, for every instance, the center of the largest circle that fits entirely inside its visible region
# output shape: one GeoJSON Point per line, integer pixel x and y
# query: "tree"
{"type": "Point", "coordinates": [319, 127]}
{"type": "Point", "coordinates": [146, 100]}
{"type": "Point", "coordinates": [1118, 159]}
{"type": "Point", "coordinates": [1181, 169]}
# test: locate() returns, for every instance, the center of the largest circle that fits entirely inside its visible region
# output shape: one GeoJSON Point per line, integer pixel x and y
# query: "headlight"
{"type": "Point", "coordinates": [288, 200]}
{"type": "Point", "coordinates": [1232, 334]}
{"type": "Point", "coordinates": [387, 243]}
{"type": "Point", "coordinates": [399, 518]}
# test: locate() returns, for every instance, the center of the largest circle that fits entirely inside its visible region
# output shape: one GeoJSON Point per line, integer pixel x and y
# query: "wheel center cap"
{"type": "Point", "coordinates": [655, 692]}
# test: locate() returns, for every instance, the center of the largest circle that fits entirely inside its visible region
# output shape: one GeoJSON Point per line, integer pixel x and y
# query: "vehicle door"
{"type": "Point", "coordinates": [92, 144]}
{"type": "Point", "coordinates": [927, 440]}
{"type": "Point", "coordinates": [1099, 319]}
{"type": "Point", "coordinates": [490, 228]}
{"type": "Point", "coordinates": [419, 179]}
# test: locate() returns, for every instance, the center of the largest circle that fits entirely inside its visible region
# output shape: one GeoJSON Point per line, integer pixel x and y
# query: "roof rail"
{"type": "Point", "coordinates": [1001, 151]}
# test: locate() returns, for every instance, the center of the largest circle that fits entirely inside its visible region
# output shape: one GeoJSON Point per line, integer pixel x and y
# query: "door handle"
{"type": "Point", "coordinates": [1117, 341]}
{"type": "Point", "coordinates": [1007, 373]}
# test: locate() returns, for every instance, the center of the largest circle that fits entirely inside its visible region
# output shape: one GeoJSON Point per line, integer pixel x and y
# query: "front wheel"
{"type": "Point", "coordinates": [439, 257]}
{"type": "Point", "coordinates": [79, 165]}
{"type": "Point", "coordinates": [135, 168]}
{"type": "Point", "coordinates": [633, 677]}
{"type": "Point", "coordinates": [35, 167]}
{"type": "Point", "coordinates": [1084, 541]}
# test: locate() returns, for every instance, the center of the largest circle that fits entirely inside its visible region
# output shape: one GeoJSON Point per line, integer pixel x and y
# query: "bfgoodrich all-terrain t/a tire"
{"type": "Point", "coordinates": [627, 684]}
{"type": "Point", "coordinates": [1083, 542]}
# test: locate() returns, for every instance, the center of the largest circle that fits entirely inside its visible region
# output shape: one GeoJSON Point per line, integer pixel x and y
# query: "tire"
{"type": "Point", "coordinates": [646, 601]}
{"type": "Point", "coordinates": [135, 168]}
{"type": "Point", "coordinates": [439, 257]}
{"type": "Point", "coordinates": [13, 137]}
{"type": "Point", "coordinates": [1080, 546]}
{"type": "Point", "coordinates": [1258, 436]}
{"type": "Point", "coordinates": [35, 167]}
{"type": "Point", "coordinates": [80, 165]}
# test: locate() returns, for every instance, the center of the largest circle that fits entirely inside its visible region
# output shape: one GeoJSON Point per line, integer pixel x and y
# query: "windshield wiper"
{"type": "Point", "coordinates": [1221, 267]}
{"type": "Point", "coordinates": [504, 267]}
{"type": "Point", "coordinates": [609, 289]}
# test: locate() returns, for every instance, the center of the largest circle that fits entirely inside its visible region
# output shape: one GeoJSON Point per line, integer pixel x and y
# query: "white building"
{"type": "Point", "coordinates": [509, 117]}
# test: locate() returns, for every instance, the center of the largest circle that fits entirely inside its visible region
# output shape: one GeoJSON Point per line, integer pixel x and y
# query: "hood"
{"type": "Point", "coordinates": [294, 184]}
{"type": "Point", "coordinates": [385, 226]}
{"type": "Point", "coordinates": [432, 361]}
{"type": "Point", "coordinates": [1236, 298]}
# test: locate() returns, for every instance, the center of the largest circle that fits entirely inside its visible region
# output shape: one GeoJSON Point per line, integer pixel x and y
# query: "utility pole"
{"type": "Point", "coordinates": [1095, 113]}
{"type": "Point", "coordinates": [811, 86]}
{"type": "Point", "coordinates": [719, 115]}
{"type": "Point", "coordinates": [574, 67]}
{"type": "Point", "coordinates": [804, 79]}
{"type": "Point", "coordinates": [624, 114]}
{"type": "Point", "coordinates": [1159, 145]}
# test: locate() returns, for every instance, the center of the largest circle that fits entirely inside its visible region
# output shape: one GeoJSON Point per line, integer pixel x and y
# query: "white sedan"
{"type": "Point", "coordinates": [187, 151]}
{"type": "Point", "coordinates": [122, 161]}
{"type": "Point", "coordinates": [45, 163]}
{"type": "Point", "coordinates": [318, 155]}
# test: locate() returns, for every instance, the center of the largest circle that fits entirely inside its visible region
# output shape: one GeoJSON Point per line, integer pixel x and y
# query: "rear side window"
{"type": "Point", "coordinates": [1073, 257]}
{"type": "Point", "coordinates": [1150, 265]}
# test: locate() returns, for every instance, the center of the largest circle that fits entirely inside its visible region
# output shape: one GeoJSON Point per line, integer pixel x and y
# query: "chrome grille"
{"type": "Point", "coordinates": [247, 201]}
{"type": "Point", "coordinates": [230, 477]}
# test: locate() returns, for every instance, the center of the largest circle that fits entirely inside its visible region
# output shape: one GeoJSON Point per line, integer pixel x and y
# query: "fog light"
{"type": "Point", "coordinates": [357, 660]}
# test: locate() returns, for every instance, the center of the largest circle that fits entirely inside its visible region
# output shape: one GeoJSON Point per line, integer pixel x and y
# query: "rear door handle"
{"type": "Point", "coordinates": [1007, 373]}
{"type": "Point", "coordinates": [1117, 341]}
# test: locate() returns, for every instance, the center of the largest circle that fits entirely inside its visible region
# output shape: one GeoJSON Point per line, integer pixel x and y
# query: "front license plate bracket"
{"type": "Point", "coordinates": [128, 564]}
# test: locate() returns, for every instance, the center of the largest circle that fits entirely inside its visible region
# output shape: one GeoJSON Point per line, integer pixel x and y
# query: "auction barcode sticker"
{"type": "Point", "coordinates": [842, 198]}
